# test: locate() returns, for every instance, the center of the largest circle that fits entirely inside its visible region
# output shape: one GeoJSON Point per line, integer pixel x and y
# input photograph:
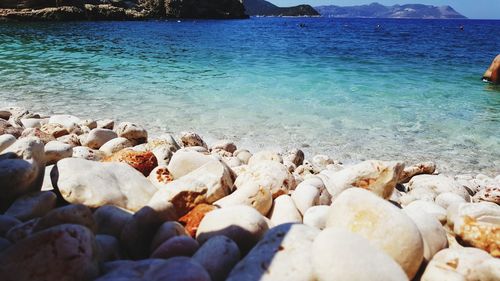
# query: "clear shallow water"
{"type": "Point", "coordinates": [408, 91]}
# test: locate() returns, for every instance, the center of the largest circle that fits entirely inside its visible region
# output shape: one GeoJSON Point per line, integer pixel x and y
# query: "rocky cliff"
{"type": "Point", "coordinates": [40, 10]}
{"type": "Point", "coordinates": [265, 8]}
{"type": "Point", "coordinates": [376, 10]}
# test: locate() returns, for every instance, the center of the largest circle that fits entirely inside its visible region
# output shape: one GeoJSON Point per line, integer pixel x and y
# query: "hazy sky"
{"type": "Point", "coordinates": [476, 9]}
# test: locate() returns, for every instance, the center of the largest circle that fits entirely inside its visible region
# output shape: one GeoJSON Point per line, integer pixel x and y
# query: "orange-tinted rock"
{"type": "Point", "coordinates": [56, 130]}
{"type": "Point", "coordinates": [192, 220]}
{"type": "Point", "coordinates": [493, 72]}
{"type": "Point", "coordinates": [36, 132]}
{"type": "Point", "coordinates": [142, 161]}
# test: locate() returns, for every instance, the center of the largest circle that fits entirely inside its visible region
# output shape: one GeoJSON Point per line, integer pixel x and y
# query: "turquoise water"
{"type": "Point", "coordinates": [410, 90]}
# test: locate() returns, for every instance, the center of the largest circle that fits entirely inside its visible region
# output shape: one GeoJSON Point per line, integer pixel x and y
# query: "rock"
{"type": "Point", "coordinates": [5, 113]}
{"type": "Point", "coordinates": [454, 264]}
{"type": "Point", "coordinates": [32, 122]}
{"type": "Point", "coordinates": [142, 161]}
{"type": "Point", "coordinates": [37, 133]}
{"type": "Point", "coordinates": [4, 244]}
{"type": "Point", "coordinates": [418, 169]}
{"type": "Point", "coordinates": [32, 205]}
{"type": "Point", "coordinates": [6, 223]}
{"type": "Point", "coordinates": [22, 166]}
{"type": "Point", "coordinates": [477, 225]}
{"type": "Point", "coordinates": [108, 248]}
{"type": "Point", "coordinates": [176, 246]}
{"type": "Point", "coordinates": [98, 184]}
{"type": "Point", "coordinates": [160, 176]}
{"type": "Point", "coordinates": [423, 194]}
{"type": "Point", "coordinates": [232, 161]}
{"type": "Point", "coordinates": [64, 252]}
{"type": "Point", "coordinates": [447, 199]}
{"type": "Point", "coordinates": [173, 269]}
{"type": "Point", "coordinates": [184, 162]}
{"type": "Point", "coordinates": [380, 222]}
{"type": "Point", "coordinates": [209, 10]}
{"type": "Point", "coordinates": [488, 194]}
{"type": "Point", "coordinates": [192, 220]}
{"type": "Point", "coordinates": [133, 132]}
{"type": "Point", "coordinates": [21, 231]}
{"type": "Point", "coordinates": [433, 234]}
{"type": "Point", "coordinates": [243, 224]}
{"type": "Point", "coordinates": [296, 156]}
{"type": "Point", "coordinates": [7, 128]}
{"type": "Point", "coordinates": [87, 153]}
{"type": "Point", "coordinates": [166, 231]}
{"type": "Point", "coordinates": [227, 253]}
{"type": "Point", "coordinates": [115, 145]}
{"type": "Point", "coordinates": [307, 195]}
{"type": "Point", "coordinates": [56, 150]}
{"type": "Point", "coordinates": [377, 176]}
{"type": "Point", "coordinates": [192, 139]}
{"type": "Point", "coordinates": [243, 155]}
{"type": "Point", "coordinates": [268, 174]}
{"type": "Point", "coordinates": [70, 214]}
{"type": "Point", "coordinates": [338, 254]}
{"type": "Point", "coordinates": [437, 184]}
{"type": "Point", "coordinates": [6, 140]}
{"type": "Point", "coordinates": [68, 121]}
{"type": "Point", "coordinates": [97, 137]}
{"type": "Point", "coordinates": [105, 124]}
{"type": "Point", "coordinates": [110, 220]}
{"type": "Point", "coordinates": [55, 130]}
{"type": "Point", "coordinates": [163, 154]}
{"type": "Point", "coordinates": [71, 139]}
{"type": "Point", "coordinates": [492, 74]}
{"type": "Point", "coordinates": [224, 145]}
{"type": "Point", "coordinates": [138, 232]}
{"type": "Point", "coordinates": [206, 184]}
{"type": "Point", "coordinates": [430, 208]}
{"type": "Point", "coordinates": [89, 123]}
{"type": "Point", "coordinates": [488, 270]}
{"type": "Point", "coordinates": [316, 216]}
{"type": "Point", "coordinates": [252, 194]}
{"type": "Point", "coordinates": [265, 155]}
{"type": "Point", "coordinates": [284, 253]}
{"type": "Point", "coordinates": [322, 161]}
{"type": "Point", "coordinates": [284, 211]}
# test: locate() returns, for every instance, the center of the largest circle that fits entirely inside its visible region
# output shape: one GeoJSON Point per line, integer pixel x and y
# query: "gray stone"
{"type": "Point", "coordinates": [70, 214]}
{"type": "Point", "coordinates": [176, 246]}
{"type": "Point", "coordinates": [138, 233]}
{"type": "Point", "coordinates": [218, 256]}
{"type": "Point", "coordinates": [32, 205]}
{"type": "Point", "coordinates": [108, 248]}
{"type": "Point", "coordinates": [166, 231]}
{"type": "Point", "coordinates": [110, 220]}
{"type": "Point", "coordinates": [6, 223]}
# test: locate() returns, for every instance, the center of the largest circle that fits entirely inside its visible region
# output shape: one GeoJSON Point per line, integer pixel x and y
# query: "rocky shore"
{"type": "Point", "coordinates": [86, 199]}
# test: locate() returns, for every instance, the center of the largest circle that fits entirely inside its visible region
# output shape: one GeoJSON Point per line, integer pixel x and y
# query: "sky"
{"type": "Point", "coordinates": [474, 9]}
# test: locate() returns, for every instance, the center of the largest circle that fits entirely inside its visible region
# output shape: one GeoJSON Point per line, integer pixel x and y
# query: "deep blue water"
{"type": "Point", "coordinates": [409, 90]}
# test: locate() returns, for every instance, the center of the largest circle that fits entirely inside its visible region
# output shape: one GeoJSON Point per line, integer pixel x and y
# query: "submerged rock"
{"type": "Point", "coordinates": [492, 74]}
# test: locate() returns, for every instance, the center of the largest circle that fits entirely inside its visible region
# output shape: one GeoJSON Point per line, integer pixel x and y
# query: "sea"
{"type": "Point", "coordinates": [353, 89]}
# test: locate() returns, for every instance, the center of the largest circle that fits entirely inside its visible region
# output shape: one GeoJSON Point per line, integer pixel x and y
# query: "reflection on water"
{"type": "Point", "coordinates": [339, 87]}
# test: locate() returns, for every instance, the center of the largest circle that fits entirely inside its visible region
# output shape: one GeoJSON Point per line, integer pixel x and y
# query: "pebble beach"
{"type": "Point", "coordinates": [85, 198]}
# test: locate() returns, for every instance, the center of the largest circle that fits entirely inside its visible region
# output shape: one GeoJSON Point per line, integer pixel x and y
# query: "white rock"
{"type": "Point", "coordinates": [454, 264]}
{"type": "Point", "coordinates": [380, 177]}
{"type": "Point", "coordinates": [423, 194]}
{"type": "Point", "coordinates": [133, 132]}
{"type": "Point", "coordinates": [321, 161]}
{"type": "Point", "coordinates": [488, 270]}
{"type": "Point", "coordinates": [89, 123]}
{"type": "Point", "coordinates": [243, 154]}
{"type": "Point", "coordinates": [306, 196]}
{"type": "Point", "coordinates": [284, 211]}
{"type": "Point", "coordinates": [6, 140]}
{"type": "Point", "coordinates": [192, 139]}
{"type": "Point", "coordinates": [32, 122]}
{"type": "Point", "coordinates": [184, 162]}
{"type": "Point", "coordinates": [268, 174]}
{"type": "Point", "coordinates": [316, 216]}
{"type": "Point", "coordinates": [338, 254]}
{"type": "Point", "coordinates": [206, 184]}
{"type": "Point", "coordinates": [438, 184]}
{"type": "Point", "coordinates": [106, 124]}
{"type": "Point", "coordinates": [243, 224]}
{"type": "Point", "coordinates": [97, 184]}
{"type": "Point", "coordinates": [47, 181]}
{"type": "Point", "coordinates": [163, 154]}
{"type": "Point", "coordinates": [115, 145]}
{"type": "Point", "coordinates": [295, 156]}
{"type": "Point", "coordinates": [265, 155]}
{"type": "Point", "coordinates": [251, 194]}
{"type": "Point", "coordinates": [218, 256]}
{"type": "Point", "coordinates": [383, 224]}
{"type": "Point", "coordinates": [97, 137]}
{"type": "Point", "coordinates": [87, 153]}
{"type": "Point", "coordinates": [68, 121]}
{"type": "Point", "coordinates": [433, 234]}
{"type": "Point", "coordinates": [225, 145]}
{"type": "Point", "coordinates": [22, 166]}
{"type": "Point", "coordinates": [430, 208]}
{"type": "Point", "coordinates": [447, 199]}
{"type": "Point", "coordinates": [56, 150]}
{"type": "Point", "coordinates": [284, 253]}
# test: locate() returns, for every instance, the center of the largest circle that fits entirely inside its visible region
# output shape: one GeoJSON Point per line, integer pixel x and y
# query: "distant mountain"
{"type": "Point", "coordinates": [376, 10]}
{"type": "Point", "coordinates": [265, 8]}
